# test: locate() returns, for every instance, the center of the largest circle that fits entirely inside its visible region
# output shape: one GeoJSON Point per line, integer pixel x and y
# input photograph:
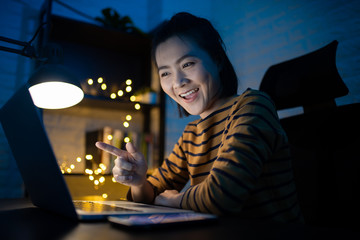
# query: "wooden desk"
{"type": "Point", "coordinates": [19, 219]}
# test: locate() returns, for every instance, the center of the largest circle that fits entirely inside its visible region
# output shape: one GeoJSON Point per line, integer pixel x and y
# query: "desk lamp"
{"type": "Point", "coordinates": [51, 86]}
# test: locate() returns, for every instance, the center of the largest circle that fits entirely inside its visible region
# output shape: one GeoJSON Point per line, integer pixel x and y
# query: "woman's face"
{"type": "Point", "coordinates": [188, 75]}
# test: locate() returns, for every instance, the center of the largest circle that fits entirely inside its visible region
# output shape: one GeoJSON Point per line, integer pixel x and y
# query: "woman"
{"type": "Point", "coordinates": [235, 156]}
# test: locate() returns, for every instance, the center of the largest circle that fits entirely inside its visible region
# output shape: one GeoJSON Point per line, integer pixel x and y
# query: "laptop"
{"type": "Point", "coordinates": [26, 135]}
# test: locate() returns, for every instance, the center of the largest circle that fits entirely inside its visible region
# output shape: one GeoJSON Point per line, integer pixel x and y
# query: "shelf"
{"type": "Point", "coordinates": [108, 103]}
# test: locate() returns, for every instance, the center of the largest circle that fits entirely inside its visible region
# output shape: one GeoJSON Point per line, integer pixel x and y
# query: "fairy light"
{"type": "Point", "coordinates": [128, 82]}
{"type": "Point", "coordinates": [126, 139]}
{"type": "Point", "coordinates": [96, 182]}
{"type": "Point", "coordinates": [113, 179]}
{"type": "Point", "coordinates": [72, 166]}
{"type": "Point", "coordinates": [100, 80]}
{"type": "Point", "coordinates": [126, 124]}
{"type": "Point", "coordinates": [103, 86]}
{"type": "Point", "coordinates": [120, 93]}
{"type": "Point", "coordinates": [110, 137]}
{"type": "Point", "coordinates": [102, 166]}
{"type": "Point", "coordinates": [89, 157]}
{"type": "Point", "coordinates": [102, 179]}
{"type": "Point", "coordinates": [90, 81]}
{"type": "Point", "coordinates": [104, 195]}
{"type": "Point", "coordinates": [137, 106]}
{"type": "Point", "coordinates": [128, 117]}
{"type": "Point", "coordinates": [113, 95]}
{"type": "Point", "coordinates": [91, 177]}
{"type": "Point", "coordinates": [132, 98]}
{"type": "Point", "coordinates": [128, 89]}
{"type": "Point", "coordinates": [78, 159]}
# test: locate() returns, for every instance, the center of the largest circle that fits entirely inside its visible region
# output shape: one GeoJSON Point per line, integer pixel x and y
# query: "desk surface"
{"type": "Point", "coordinates": [19, 219]}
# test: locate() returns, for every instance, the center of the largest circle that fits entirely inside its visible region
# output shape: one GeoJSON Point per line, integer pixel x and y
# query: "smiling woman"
{"type": "Point", "coordinates": [236, 156]}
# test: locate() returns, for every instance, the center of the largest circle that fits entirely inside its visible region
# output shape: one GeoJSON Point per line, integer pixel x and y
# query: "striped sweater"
{"type": "Point", "coordinates": [237, 160]}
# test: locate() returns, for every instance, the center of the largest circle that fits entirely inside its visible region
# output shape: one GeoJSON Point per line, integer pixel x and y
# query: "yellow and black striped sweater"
{"type": "Point", "coordinates": [237, 160]}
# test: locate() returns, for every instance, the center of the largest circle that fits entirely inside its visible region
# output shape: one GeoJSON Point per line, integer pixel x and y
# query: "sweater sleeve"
{"type": "Point", "coordinates": [251, 135]}
{"type": "Point", "coordinates": [173, 173]}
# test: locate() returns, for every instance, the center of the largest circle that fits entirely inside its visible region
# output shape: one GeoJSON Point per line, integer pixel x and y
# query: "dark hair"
{"type": "Point", "coordinates": [207, 38]}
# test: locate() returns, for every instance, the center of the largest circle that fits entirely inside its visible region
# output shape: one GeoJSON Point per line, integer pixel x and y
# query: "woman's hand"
{"type": "Point", "coordinates": [130, 165]}
{"type": "Point", "coordinates": [169, 198]}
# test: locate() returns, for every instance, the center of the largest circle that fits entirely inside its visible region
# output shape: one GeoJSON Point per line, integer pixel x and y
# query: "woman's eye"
{"type": "Point", "coordinates": [164, 74]}
{"type": "Point", "coordinates": [187, 64]}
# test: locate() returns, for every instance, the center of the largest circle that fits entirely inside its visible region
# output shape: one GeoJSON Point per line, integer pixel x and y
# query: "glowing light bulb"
{"type": "Point", "coordinates": [101, 179]}
{"type": "Point", "coordinates": [104, 195]}
{"type": "Point", "coordinates": [103, 86]}
{"type": "Point", "coordinates": [96, 182]}
{"type": "Point", "coordinates": [89, 157]}
{"type": "Point", "coordinates": [128, 82]}
{"type": "Point", "coordinates": [91, 177]}
{"type": "Point", "coordinates": [113, 95]}
{"type": "Point", "coordinates": [133, 98]}
{"type": "Point", "coordinates": [137, 106]}
{"type": "Point", "coordinates": [126, 139]}
{"type": "Point", "coordinates": [128, 89]}
{"type": "Point", "coordinates": [78, 159]}
{"type": "Point", "coordinates": [113, 179]}
{"type": "Point", "coordinates": [110, 137]}
{"type": "Point", "coordinates": [102, 166]}
{"type": "Point", "coordinates": [100, 80]}
{"type": "Point", "coordinates": [72, 166]}
{"type": "Point", "coordinates": [55, 95]}
{"type": "Point", "coordinates": [126, 124]}
{"type": "Point", "coordinates": [120, 93]}
{"type": "Point", "coordinates": [90, 81]}
{"type": "Point", "coordinates": [128, 117]}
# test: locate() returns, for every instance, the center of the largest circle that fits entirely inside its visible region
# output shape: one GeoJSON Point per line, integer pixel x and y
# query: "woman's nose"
{"type": "Point", "coordinates": [180, 80]}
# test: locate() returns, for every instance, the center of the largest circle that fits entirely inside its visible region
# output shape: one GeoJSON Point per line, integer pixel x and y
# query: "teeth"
{"type": "Point", "coordinates": [188, 93]}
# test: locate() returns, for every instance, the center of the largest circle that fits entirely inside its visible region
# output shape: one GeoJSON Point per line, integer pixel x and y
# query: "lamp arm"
{"type": "Point", "coordinates": [27, 51]}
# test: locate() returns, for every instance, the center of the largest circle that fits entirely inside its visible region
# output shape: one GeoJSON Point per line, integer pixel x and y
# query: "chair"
{"type": "Point", "coordinates": [324, 140]}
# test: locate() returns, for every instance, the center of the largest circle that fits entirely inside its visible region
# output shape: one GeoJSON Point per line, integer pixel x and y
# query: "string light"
{"type": "Point", "coordinates": [103, 86]}
{"type": "Point", "coordinates": [120, 93]}
{"type": "Point", "coordinates": [126, 124]}
{"type": "Point", "coordinates": [89, 157]}
{"type": "Point", "coordinates": [100, 80]}
{"type": "Point", "coordinates": [128, 89]}
{"type": "Point", "coordinates": [132, 98]}
{"type": "Point", "coordinates": [90, 81]}
{"type": "Point", "coordinates": [128, 82]}
{"type": "Point", "coordinates": [128, 117]}
{"type": "Point", "coordinates": [78, 159]}
{"type": "Point", "coordinates": [137, 106]}
{"type": "Point", "coordinates": [110, 137]}
{"type": "Point", "coordinates": [126, 139]}
{"type": "Point", "coordinates": [104, 195]}
{"type": "Point", "coordinates": [113, 95]}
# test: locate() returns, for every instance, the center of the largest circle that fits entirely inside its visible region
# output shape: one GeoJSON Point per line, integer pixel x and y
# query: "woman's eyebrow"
{"type": "Point", "coordinates": [177, 61]}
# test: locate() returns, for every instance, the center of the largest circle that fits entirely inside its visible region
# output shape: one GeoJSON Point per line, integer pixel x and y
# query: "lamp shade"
{"type": "Point", "coordinates": [52, 86]}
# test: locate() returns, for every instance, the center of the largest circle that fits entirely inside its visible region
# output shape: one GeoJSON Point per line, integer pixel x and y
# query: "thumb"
{"type": "Point", "coordinates": [133, 151]}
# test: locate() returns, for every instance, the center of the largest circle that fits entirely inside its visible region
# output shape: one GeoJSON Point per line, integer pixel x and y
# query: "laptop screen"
{"type": "Point", "coordinates": [27, 138]}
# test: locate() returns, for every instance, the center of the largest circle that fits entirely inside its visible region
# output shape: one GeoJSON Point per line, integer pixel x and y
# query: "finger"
{"type": "Point", "coordinates": [109, 148]}
{"type": "Point", "coordinates": [123, 179]}
{"type": "Point", "coordinates": [121, 172]}
{"type": "Point", "coordinates": [120, 162]}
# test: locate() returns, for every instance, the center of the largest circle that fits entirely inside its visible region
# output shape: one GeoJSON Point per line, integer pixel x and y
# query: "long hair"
{"type": "Point", "coordinates": [201, 31]}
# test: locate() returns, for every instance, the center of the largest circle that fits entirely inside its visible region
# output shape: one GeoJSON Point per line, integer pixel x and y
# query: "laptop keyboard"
{"type": "Point", "coordinates": [95, 207]}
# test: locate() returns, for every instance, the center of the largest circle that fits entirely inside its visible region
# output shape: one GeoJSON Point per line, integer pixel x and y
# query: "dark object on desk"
{"type": "Point", "coordinates": [324, 141]}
